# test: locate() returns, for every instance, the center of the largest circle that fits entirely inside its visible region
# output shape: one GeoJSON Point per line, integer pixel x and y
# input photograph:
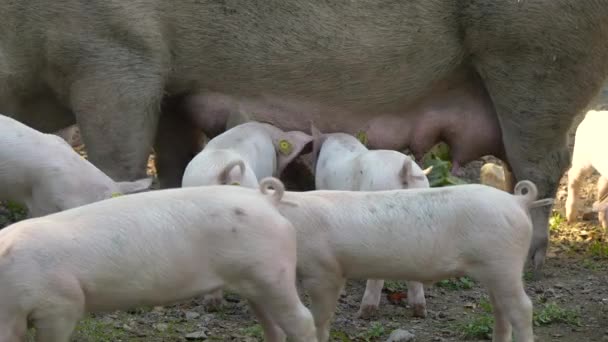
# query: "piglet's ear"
{"type": "Point", "coordinates": [224, 177]}
{"type": "Point", "coordinates": [317, 142]}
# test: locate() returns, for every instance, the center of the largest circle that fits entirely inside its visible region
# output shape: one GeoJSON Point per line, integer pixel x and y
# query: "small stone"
{"type": "Point", "coordinates": [161, 327]}
{"type": "Point", "coordinates": [559, 286]}
{"type": "Point", "coordinates": [192, 315]}
{"type": "Point", "coordinates": [470, 305]}
{"type": "Point", "coordinates": [198, 335]}
{"type": "Point", "coordinates": [400, 335]}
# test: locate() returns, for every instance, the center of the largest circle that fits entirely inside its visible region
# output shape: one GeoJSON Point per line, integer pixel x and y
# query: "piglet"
{"type": "Point", "coordinates": [423, 235]}
{"type": "Point", "coordinates": [588, 154]}
{"type": "Point", "coordinates": [244, 154]}
{"type": "Point", "coordinates": [44, 173]}
{"type": "Point", "coordinates": [153, 248]}
{"type": "Point", "coordinates": [344, 163]}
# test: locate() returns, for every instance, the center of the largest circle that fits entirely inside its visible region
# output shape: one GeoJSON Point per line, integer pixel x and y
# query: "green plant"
{"type": "Point", "coordinates": [556, 220]}
{"type": "Point", "coordinates": [395, 286]}
{"type": "Point", "coordinates": [16, 211]}
{"type": "Point", "coordinates": [439, 158]}
{"type": "Point", "coordinates": [480, 327]}
{"type": "Point", "coordinates": [553, 313]}
{"type": "Point", "coordinates": [462, 283]}
{"type": "Point", "coordinates": [375, 331]}
{"type": "Point", "coordinates": [254, 331]}
{"type": "Point", "coordinates": [599, 249]}
{"type": "Point", "coordinates": [485, 305]}
{"type": "Point", "coordinates": [338, 335]}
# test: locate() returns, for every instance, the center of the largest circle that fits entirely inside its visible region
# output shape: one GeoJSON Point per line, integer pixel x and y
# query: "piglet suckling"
{"type": "Point", "coordinates": [423, 235]}
{"type": "Point", "coordinates": [244, 154]}
{"type": "Point", "coordinates": [589, 154]}
{"type": "Point", "coordinates": [147, 249]}
{"type": "Point", "coordinates": [343, 162]}
{"type": "Point", "coordinates": [44, 173]}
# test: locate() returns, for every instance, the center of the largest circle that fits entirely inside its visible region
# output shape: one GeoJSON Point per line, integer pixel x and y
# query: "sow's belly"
{"type": "Point", "coordinates": [461, 116]}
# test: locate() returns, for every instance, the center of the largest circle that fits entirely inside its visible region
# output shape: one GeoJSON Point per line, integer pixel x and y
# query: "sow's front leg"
{"type": "Point", "coordinates": [537, 93]}
{"type": "Point", "coordinates": [116, 100]}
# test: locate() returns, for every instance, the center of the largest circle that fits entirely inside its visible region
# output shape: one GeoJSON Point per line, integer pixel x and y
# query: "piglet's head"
{"type": "Point", "coordinates": [412, 176]}
{"type": "Point", "coordinates": [289, 145]}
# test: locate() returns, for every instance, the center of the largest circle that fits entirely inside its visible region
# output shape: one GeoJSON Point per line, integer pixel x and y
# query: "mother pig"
{"type": "Point", "coordinates": [414, 69]}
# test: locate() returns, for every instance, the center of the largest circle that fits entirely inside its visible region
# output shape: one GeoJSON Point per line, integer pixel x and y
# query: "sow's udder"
{"type": "Point", "coordinates": [463, 117]}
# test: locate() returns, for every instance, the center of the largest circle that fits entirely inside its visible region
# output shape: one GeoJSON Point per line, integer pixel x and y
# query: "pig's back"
{"type": "Point", "coordinates": [160, 240]}
{"type": "Point", "coordinates": [422, 229]}
{"type": "Point", "coordinates": [253, 145]}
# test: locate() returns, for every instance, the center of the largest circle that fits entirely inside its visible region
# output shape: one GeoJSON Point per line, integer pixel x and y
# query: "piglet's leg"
{"type": "Point", "coordinates": [415, 297]}
{"type": "Point", "coordinates": [280, 307]}
{"type": "Point", "coordinates": [371, 298]}
{"type": "Point", "coordinates": [602, 190]}
{"type": "Point", "coordinates": [324, 293]}
{"type": "Point", "coordinates": [502, 326]}
{"type": "Point", "coordinates": [272, 332]}
{"type": "Point", "coordinates": [575, 174]}
{"type": "Point", "coordinates": [57, 324]}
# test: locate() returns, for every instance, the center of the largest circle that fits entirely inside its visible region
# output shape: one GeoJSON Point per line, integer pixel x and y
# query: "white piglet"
{"type": "Point", "coordinates": [344, 163]}
{"type": "Point", "coordinates": [244, 154]}
{"type": "Point", "coordinates": [589, 154]}
{"type": "Point", "coordinates": [153, 248]}
{"type": "Point", "coordinates": [423, 235]}
{"type": "Point", "coordinates": [44, 173]}
{"type": "Point", "coordinates": [241, 156]}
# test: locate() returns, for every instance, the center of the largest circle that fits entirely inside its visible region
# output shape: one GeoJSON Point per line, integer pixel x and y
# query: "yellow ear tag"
{"type": "Point", "coordinates": [285, 147]}
{"type": "Point", "coordinates": [362, 137]}
{"type": "Point", "coordinates": [116, 194]}
{"type": "Point", "coordinates": [235, 183]}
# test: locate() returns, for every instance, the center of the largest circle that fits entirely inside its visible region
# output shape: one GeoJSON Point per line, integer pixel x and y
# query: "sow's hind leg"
{"type": "Point", "coordinates": [537, 90]}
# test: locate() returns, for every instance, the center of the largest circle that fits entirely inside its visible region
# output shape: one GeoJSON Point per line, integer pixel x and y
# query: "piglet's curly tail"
{"type": "Point", "coordinates": [531, 192]}
{"type": "Point", "coordinates": [275, 184]}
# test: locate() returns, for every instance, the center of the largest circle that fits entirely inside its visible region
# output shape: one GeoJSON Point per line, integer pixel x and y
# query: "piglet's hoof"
{"type": "Point", "coordinates": [367, 311]}
{"type": "Point", "coordinates": [419, 310]}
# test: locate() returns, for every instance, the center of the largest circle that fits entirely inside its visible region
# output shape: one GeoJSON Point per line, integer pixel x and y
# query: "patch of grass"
{"type": "Point", "coordinates": [591, 265]}
{"type": "Point", "coordinates": [485, 305]}
{"type": "Point", "coordinates": [599, 249]}
{"type": "Point", "coordinates": [528, 276]}
{"type": "Point", "coordinates": [16, 211]}
{"type": "Point", "coordinates": [95, 330]}
{"type": "Point", "coordinates": [479, 327]}
{"type": "Point", "coordinates": [254, 331]}
{"type": "Point", "coordinates": [395, 286]}
{"type": "Point", "coordinates": [556, 221]}
{"type": "Point", "coordinates": [462, 283]}
{"type": "Point", "coordinates": [374, 332]}
{"type": "Point", "coordinates": [338, 335]}
{"type": "Point", "coordinates": [552, 313]}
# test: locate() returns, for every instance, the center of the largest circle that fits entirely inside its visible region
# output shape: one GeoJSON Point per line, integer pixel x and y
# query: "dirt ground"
{"type": "Point", "coordinates": [570, 302]}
